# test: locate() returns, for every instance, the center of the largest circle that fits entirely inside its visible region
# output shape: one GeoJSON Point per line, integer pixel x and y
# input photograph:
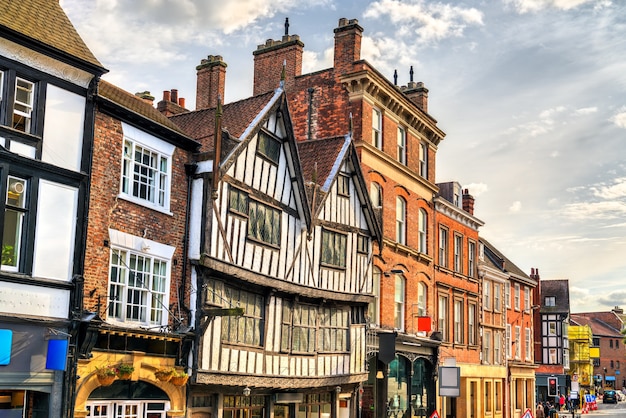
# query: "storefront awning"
{"type": "Point", "coordinates": [609, 378]}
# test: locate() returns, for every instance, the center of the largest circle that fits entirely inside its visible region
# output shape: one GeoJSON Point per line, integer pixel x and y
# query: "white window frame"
{"type": "Point", "coordinates": [422, 231]}
{"type": "Point", "coordinates": [518, 342]}
{"type": "Point", "coordinates": [423, 163]}
{"type": "Point", "coordinates": [400, 220]}
{"type": "Point", "coordinates": [487, 295]}
{"type": "Point", "coordinates": [516, 302]}
{"type": "Point", "coordinates": [376, 195]}
{"type": "Point", "coordinates": [526, 298]}
{"type": "Point", "coordinates": [471, 324]}
{"type": "Point", "coordinates": [458, 253]}
{"type": "Point", "coordinates": [507, 294]}
{"type": "Point", "coordinates": [399, 301]}
{"type": "Point", "coordinates": [528, 339]}
{"type": "Point", "coordinates": [458, 321]}
{"type": "Point", "coordinates": [377, 128]}
{"type": "Point", "coordinates": [421, 299]}
{"type": "Point", "coordinates": [497, 307]}
{"type": "Point", "coordinates": [153, 251]}
{"type": "Point", "coordinates": [497, 344]}
{"type": "Point", "coordinates": [402, 154]}
{"type": "Point", "coordinates": [15, 187]}
{"type": "Point", "coordinates": [471, 258]}
{"type": "Point", "coordinates": [161, 179]}
{"type": "Point", "coordinates": [28, 107]}
{"type": "Point", "coordinates": [487, 347]}
{"type": "Point", "coordinates": [442, 316]}
{"type": "Point", "coordinates": [508, 341]}
{"type": "Point", "coordinates": [443, 247]}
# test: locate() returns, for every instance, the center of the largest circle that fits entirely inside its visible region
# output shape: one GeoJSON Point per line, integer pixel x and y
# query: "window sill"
{"type": "Point", "coordinates": [144, 203]}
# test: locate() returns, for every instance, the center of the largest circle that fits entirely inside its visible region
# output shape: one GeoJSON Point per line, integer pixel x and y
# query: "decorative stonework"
{"type": "Point", "coordinates": [43, 63]}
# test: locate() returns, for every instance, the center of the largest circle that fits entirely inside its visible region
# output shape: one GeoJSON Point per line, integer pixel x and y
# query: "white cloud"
{"type": "Point", "coordinates": [530, 6]}
{"type": "Point", "coordinates": [587, 211]}
{"type": "Point", "coordinates": [586, 110]}
{"type": "Point", "coordinates": [614, 191]}
{"type": "Point", "coordinates": [619, 119]}
{"type": "Point", "coordinates": [476, 189]}
{"type": "Point", "coordinates": [515, 207]}
{"type": "Point", "coordinates": [431, 22]}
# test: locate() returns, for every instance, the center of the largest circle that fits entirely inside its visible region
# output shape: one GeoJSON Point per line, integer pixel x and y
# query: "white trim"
{"type": "Point", "coordinates": [141, 245]}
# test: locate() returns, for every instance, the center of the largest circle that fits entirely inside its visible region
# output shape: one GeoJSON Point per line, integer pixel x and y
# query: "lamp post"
{"type": "Point", "coordinates": [604, 380]}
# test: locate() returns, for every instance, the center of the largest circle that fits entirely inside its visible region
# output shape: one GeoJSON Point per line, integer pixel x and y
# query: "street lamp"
{"type": "Point", "coordinates": [604, 381]}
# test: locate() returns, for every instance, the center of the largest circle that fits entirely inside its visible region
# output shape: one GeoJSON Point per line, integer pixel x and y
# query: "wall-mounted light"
{"type": "Point", "coordinates": [380, 375]}
{"type": "Point", "coordinates": [246, 391]}
{"type": "Point", "coordinates": [337, 389]}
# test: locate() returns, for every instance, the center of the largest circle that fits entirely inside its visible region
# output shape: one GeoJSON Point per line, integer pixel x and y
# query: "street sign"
{"type": "Point", "coordinates": [435, 414]}
{"type": "Point", "coordinates": [527, 414]}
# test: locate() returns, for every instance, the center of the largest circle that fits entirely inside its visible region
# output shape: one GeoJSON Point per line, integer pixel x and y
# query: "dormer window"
{"type": "Point", "coordinates": [269, 147]}
{"type": "Point", "coordinates": [343, 185]}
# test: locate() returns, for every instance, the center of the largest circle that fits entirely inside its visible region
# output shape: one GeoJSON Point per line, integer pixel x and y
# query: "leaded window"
{"type": "Point", "coordinates": [334, 248]}
{"type": "Point", "coordinates": [248, 328]}
{"type": "Point", "coordinates": [264, 223]}
{"type": "Point", "coordinates": [269, 147]}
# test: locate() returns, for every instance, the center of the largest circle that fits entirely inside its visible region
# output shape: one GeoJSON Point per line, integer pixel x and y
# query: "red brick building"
{"type": "Point", "coordinates": [136, 276]}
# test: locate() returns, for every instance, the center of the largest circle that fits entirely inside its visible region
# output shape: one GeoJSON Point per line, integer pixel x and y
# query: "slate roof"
{"type": "Point", "coordinates": [236, 117]}
{"type": "Point", "coordinates": [558, 288]}
{"type": "Point", "coordinates": [45, 22]}
{"type": "Point", "coordinates": [499, 261]}
{"type": "Point", "coordinates": [136, 108]}
{"type": "Point", "coordinates": [598, 327]}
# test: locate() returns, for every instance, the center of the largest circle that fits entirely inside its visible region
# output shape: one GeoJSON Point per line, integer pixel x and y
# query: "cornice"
{"type": "Point", "coordinates": [457, 214]}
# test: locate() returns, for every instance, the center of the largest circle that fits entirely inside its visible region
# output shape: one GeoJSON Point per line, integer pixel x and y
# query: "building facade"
{"type": "Point", "coordinates": [136, 276]}
{"type": "Point", "coordinates": [48, 78]}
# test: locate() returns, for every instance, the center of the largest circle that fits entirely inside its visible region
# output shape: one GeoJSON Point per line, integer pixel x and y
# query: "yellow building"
{"type": "Point", "coordinates": [581, 363]}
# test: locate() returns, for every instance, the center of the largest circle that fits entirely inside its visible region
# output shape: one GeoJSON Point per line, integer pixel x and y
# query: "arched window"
{"type": "Point", "coordinates": [400, 220]}
{"type": "Point", "coordinates": [421, 231]}
{"type": "Point", "coordinates": [376, 195]}
{"type": "Point", "coordinates": [373, 310]}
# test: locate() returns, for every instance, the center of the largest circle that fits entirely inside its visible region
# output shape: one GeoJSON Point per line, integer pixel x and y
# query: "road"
{"type": "Point", "coordinates": [610, 410]}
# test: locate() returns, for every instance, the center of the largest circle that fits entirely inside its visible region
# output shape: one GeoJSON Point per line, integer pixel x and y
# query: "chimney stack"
{"type": "Point", "coordinates": [171, 104]}
{"type": "Point", "coordinates": [210, 82]}
{"type": "Point", "coordinates": [468, 202]}
{"type": "Point", "coordinates": [348, 36]}
{"type": "Point", "coordinates": [146, 97]}
{"type": "Point", "coordinates": [417, 93]}
{"type": "Point", "coordinates": [269, 59]}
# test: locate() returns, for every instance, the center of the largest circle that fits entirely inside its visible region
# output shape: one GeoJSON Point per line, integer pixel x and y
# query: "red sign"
{"type": "Point", "coordinates": [435, 414]}
{"type": "Point", "coordinates": [423, 323]}
{"type": "Point", "coordinates": [527, 414]}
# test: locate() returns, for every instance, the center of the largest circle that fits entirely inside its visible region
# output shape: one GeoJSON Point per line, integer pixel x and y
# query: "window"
{"type": "Point", "coordinates": [610, 343]}
{"type": "Point", "coordinates": [264, 223]}
{"type": "Point", "coordinates": [373, 312]}
{"type": "Point", "coordinates": [314, 406]}
{"type": "Point", "coordinates": [458, 322]}
{"type": "Point", "coordinates": [423, 167]}
{"type": "Point", "coordinates": [551, 328]}
{"type": "Point", "coordinates": [145, 174]}
{"type": "Point", "coordinates": [299, 328]}
{"type": "Point", "coordinates": [377, 125]}
{"type": "Point", "coordinates": [471, 258]}
{"type": "Point", "coordinates": [458, 253]}
{"type": "Point", "coordinates": [138, 288]}
{"type": "Point", "coordinates": [612, 364]}
{"type": "Point", "coordinates": [487, 295]}
{"type": "Point", "coordinates": [248, 328]}
{"type": "Point", "coordinates": [15, 216]}
{"type": "Point", "coordinates": [487, 347]}
{"type": "Point", "coordinates": [238, 406]}
{"type": "Point", "coordinates": [516, 297]}
{"type": "Point", "coordinates": [400, 220]}
{"type": "Point", "coordinates": [443, 247]}
{"type": "Point", "coordinates": [518, 342]}
{"type": "Point", "coordinates": [528, 343]}
{"type": "Point", "coordinates": [508, 341]}
{"type": "Point", "coordinates": [343, 185]}
{"type": "Point", "coordinates": [23, 106]}
{"type": "Point", "coordinates": [401, 145]}
{"type": "Point", "coordinates": [421, 231]}
{"type": "Point", "coordinates": [550, 301]}
{"type": "Point", "coordinates": [471, 324]}
{"type": "Point", "coordinates": [507, 294]}
{"type": "Point", "coordinates": [362, 244]}
{"type": "Point", "coordinates": [376, 195]}
{"type": "Point", "coordinates": [497, 344]}
{"type": "Point", "coordinates": [552, 356]}
{"type": "Point", "coordinates": [496, 297]}
{"type": "Point", "coordinates": [333, 330]}
{"type": "Point", "coordinates": [268, 147]}
{"type": "Point", "coordinates": [442, 318]}
{"type": "Point", "coordinates": [238, 201]}
{"type": "Point", "coordinates": [333, 249]}
{"type": "Point", "coordinates": [527, 298]}
{"type": "Point", "coordinates": [596, 342]}
{"type": "Point", "coordinates": [421, 299]}
{"type": "Point", "coordinates": [398, 313]}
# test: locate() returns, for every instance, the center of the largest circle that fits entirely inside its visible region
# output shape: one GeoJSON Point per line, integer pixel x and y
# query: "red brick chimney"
{"type": "Point", "coordinates": [146, 97]}
{"type": "Point", "coordinates": [418, 95]}
{"type": "Point", "coordinates": [269, 59]}
{"type": "Point", "coordinates": [210, 82]}
{"type": "Point", "coordinates": [468, 202]}
{"type": "Point", "coordinates": [171, 104]}
{"type": "Point", "coordinates": [348, 36]}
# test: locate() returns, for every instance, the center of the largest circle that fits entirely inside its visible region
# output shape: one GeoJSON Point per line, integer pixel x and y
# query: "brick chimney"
{"type": "Point", "coordinates": [171, 104]}
{"type": "Point", "coordinates": [418, 95]}
{"type": "Point", "coordinates": [210, 82]}
{"type": "Point", "coordinates": [348, 36]}
{"type": "Point", "coordinates": [269, 59]}
{"type": "Point", "coordinates": [146, 97]}
{"type": "Point", "coordinates": [468, 202]}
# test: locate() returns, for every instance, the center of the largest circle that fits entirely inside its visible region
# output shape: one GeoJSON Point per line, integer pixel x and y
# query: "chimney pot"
{"type": "Point", "coordinates": [166, 96]}
{"type": "Point", "coordinates": [175, 95]}
{"type": "Point", "coordinates": [181, 102]}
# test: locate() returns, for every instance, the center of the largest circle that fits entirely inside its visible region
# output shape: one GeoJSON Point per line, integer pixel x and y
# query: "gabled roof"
{"type": "Point", "coordinates": [558, 288]}
{"type": "Point", "coordinates": [500, 262]}
{"type": "Point", "coordinates": [236, 117]}
{"type": "Point", "coordinates": [133, 109]}
{"type": "Point", "coordinates": [321, 161]}
{"type": "Point", "coordinates": [43, 25]}
{"type": "Point", "coordinates": [598, 326]}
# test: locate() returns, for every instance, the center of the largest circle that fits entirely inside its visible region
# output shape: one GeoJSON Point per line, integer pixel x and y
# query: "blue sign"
{"type": "Point", "coordinates": [6, 339]}
{"type": "Point", "coordinates": [57, 354]}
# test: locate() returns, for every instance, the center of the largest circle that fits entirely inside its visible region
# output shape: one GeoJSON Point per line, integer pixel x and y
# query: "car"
{"type": "Point", "coordinates": [609, 396]}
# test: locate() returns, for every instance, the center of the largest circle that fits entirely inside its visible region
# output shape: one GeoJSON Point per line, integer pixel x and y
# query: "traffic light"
{"type": "Point", "coordinates": [552, 389]}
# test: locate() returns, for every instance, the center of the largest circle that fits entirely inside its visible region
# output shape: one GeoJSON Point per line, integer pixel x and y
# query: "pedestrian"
{"type": "Point", "coordinates": [561, 401]}
{"type": "Point", "coordinates": [546, 409]}
{"type": "Point", "coordinates": [540, 412]}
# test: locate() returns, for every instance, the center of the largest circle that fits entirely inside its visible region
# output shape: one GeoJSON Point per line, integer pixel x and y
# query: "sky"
{"type": "Point", "coordinates": [530, 93]}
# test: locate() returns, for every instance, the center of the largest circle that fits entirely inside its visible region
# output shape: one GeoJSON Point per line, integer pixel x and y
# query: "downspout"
{"type": "Point", "coordinates": [310, 90]}
{"type": "Point", "coordinates": [217, 148]}
{"type": "Point", "coordinates": [190, 170]}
